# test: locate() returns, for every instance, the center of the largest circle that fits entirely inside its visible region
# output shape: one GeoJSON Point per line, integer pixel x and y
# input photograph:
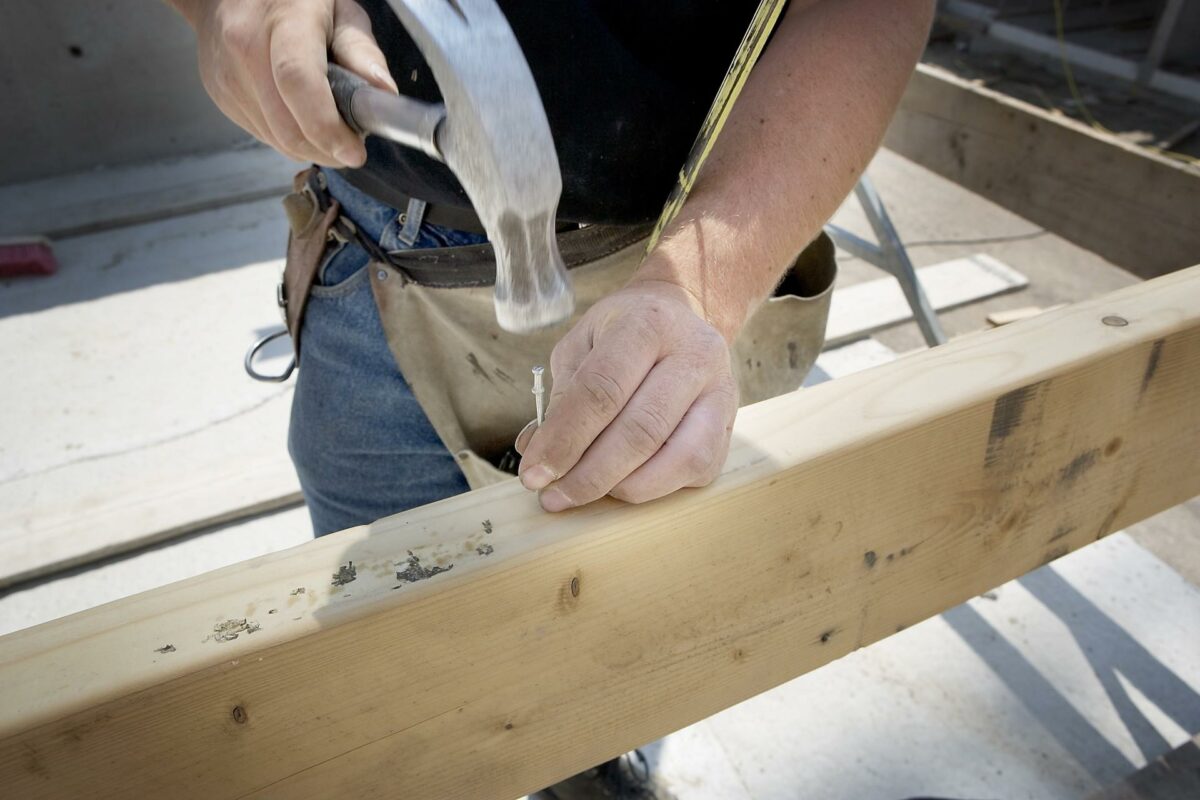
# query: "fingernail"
{"type": "Point", "coordinates": [554, 499]}
{"type": "Point", "coordinates": [381, 74]}
{"type": "Point", "coordinates": [349, 156]}
{"type": "Point", "coordinates": [537, 477]}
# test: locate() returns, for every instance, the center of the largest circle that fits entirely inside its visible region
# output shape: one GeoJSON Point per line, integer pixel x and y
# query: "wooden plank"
{"type": "Point", "coordinates": [351, 667]}
{"type": "Point", "coordinates": [99, 199]}
{"type": "Point", "coordinates": [862, 309]}
{"type": "Point", "coordinates": [1010, 315]}
{"type": "Point", "coordinates": [1131, 206]}
{"type": "Point", "coordinates": [89, 504]}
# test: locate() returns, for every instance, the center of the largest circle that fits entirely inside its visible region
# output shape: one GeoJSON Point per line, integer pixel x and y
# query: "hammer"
{"type": "Point", "coordinates": [492, 133]}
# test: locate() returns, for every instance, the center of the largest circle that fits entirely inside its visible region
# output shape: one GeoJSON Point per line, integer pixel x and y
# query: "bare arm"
{"type": "Point", "coordinates": [644, 397]}
{"type": "Point", "coordinates": [809, 119]}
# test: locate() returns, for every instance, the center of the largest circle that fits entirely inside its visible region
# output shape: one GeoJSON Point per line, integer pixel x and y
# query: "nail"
{"type": "Point", "coordinates": [554, 499]}
{"type": "Point", "coordinates": [537, 477]}
{"type": "Point", "coordinates": [381, 74]}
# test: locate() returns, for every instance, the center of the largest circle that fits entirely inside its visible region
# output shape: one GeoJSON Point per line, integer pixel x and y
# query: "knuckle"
{"type": "Point", "coordinates": [604, 393]}
{"type": "Point", "coordinates": [239, 37]}
{"type": "Point", "coordinates": [289, 71]}
{"type": "Point", "coordinates": [586, 487]}
{"type": "Point", "coordinates": [645, 326]}
{"type": "Point", "coordinates": [699, 462]}
{"type": "Point", "coordinates": [353, 16]}
{"type": "Point", "coordinates": [646, 428]}
{"type": "Point", "coordinates": [704, 479]}
{"type": "Point", "coordinates": [708, 345]}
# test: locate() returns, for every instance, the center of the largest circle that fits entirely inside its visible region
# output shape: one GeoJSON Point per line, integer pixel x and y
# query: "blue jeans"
{"type": "Point", "coordinates": [361, 444]}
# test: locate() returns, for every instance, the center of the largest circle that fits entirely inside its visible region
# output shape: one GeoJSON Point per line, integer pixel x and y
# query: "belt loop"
{"type": "Point", "coordinates": [411, 220]}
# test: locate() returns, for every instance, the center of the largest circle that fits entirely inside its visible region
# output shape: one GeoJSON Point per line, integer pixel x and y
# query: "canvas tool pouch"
{"type": "Point", "coordinates": [473, 379]}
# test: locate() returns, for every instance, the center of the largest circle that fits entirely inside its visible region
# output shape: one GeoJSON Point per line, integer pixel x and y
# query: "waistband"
{"type": "Point", "coordinates": [474, 265]}
{"type": "Point", "coordinates": [462, 219]}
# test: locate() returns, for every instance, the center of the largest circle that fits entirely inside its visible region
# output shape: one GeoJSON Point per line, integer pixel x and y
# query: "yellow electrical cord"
{"type": "Point", "coordinates": [1082, 106]}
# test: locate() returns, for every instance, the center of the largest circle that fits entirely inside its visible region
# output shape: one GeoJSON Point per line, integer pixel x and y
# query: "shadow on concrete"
{"type": "Point", "coordinates": [1110, 650]}
{"type": "Point", "coordinates": [1104, 762]}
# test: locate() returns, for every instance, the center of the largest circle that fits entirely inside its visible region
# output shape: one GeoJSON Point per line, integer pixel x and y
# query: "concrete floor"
{"type": "Point", "coordinates": [1049, 687]}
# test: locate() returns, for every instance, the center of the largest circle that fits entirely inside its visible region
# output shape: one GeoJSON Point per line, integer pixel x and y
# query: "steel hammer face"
{"type": "Point", "coordinates": [496, 140]}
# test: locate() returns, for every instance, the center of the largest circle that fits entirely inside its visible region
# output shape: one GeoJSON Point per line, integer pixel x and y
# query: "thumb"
{"type": "Point", "coordinates": [354, 47]}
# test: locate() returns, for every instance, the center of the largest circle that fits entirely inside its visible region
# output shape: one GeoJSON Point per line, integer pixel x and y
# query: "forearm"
{"type": "Point", "coordinates": [810, 117]}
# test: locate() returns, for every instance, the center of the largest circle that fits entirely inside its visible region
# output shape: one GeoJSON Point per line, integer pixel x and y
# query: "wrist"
{"type": "Point", "coordinates": [655, 277]}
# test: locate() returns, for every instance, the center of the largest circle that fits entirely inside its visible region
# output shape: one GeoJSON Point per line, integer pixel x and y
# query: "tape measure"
{"type": "Point", "coordinates": [761, 25]}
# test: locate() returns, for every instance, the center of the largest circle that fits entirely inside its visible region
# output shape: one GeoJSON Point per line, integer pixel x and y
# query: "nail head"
{"type": "Point", "coordinates": [1113, 321]}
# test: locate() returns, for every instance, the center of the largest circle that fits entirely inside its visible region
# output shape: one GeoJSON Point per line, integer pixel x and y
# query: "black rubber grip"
{"type": "Point", "coordinates": [344, 84]}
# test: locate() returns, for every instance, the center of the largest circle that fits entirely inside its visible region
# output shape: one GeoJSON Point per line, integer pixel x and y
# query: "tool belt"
{"type": "Point", "coordinates": [469, 375]}
{"type": "Point", "coordinates": [315, 219]}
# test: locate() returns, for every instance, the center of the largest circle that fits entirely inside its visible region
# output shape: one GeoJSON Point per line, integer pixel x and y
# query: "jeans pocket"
{"type": "Point", "coordinates": [341, 270]}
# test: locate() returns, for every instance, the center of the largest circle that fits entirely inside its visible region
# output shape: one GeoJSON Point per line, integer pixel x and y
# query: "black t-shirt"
{"type": "Point", "coordinates": [626, 85]}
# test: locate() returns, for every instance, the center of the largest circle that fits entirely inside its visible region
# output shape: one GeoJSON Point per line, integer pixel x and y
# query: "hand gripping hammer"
{"type": "Point", "coordinates": [493, 135]}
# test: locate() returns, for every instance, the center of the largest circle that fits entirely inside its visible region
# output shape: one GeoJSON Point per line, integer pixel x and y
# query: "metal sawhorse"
{"type": "Point", "coordinates": [889, 255]}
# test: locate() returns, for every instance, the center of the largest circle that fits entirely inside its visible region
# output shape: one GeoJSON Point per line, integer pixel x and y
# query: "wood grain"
{"type": "Point", "coordinates": [846, 512]}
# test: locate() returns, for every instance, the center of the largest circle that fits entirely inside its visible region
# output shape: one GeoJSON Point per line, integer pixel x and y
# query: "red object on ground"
{"type": "Point", "coordinates": [26, 256]}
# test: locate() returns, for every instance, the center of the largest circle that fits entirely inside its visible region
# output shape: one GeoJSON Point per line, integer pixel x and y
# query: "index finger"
{"type": "Point", "coordinates": [585, 402]}
{"type": "Point", "coordinates": [298, 64]}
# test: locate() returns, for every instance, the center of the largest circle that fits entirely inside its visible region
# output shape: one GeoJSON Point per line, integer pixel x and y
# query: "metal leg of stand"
{"type": "Point", "coordinates": [889, 254]}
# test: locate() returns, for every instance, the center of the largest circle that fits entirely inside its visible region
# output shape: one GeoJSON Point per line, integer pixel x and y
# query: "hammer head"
{"type": "Point", "coordinates": [497, 141]}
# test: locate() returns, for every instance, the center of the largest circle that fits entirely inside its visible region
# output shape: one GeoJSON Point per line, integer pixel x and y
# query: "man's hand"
{"type": "Point", "coordinates": [642, 404]}
{"type": "Point", "coordinates": [263, 62]}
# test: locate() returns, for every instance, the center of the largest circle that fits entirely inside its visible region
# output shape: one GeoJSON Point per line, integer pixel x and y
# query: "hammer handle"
{"type": "Point", "coordinates": [370, 110]}
{"type": "Point", "coordinates": [344, 84]}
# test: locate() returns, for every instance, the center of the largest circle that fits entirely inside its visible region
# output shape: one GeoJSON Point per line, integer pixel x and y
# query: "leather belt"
{"type": "Point", "coordinates": [460, 219]}
{"type": "Point", "coordinates": [473, 265]}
